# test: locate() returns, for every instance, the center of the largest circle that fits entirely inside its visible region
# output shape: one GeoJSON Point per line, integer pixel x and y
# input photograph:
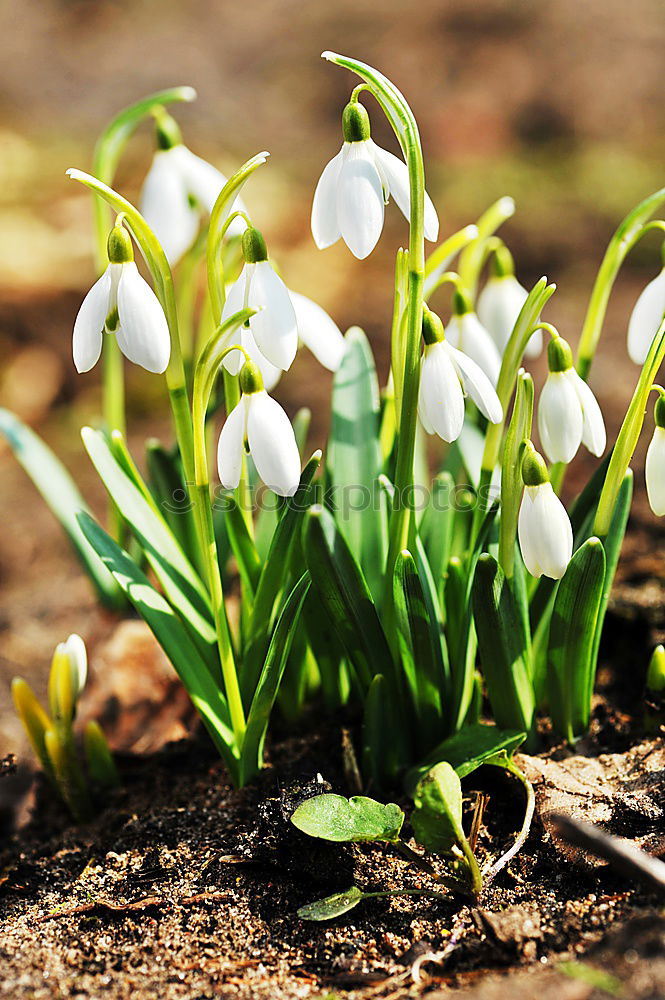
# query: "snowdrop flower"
{"type": "Point", "coordinates": [466, 332]}
{"type": "Point", "coordinates": [568, 413]}
{"type": "Point", "coordinates": [259, 424]}
{"type": "Point", "coordinates": [500, 303]}
{"type": "Point", "coordinates": [646, 318]}
{"type": "Point", "coordinates": [178, 188]}
{"type": "Point", "coordinates": [122, 303]}
{"type": "Point", "coordinates": [318, 332]}
{"type": "Point", "coordinates": [446, 375]}
{"type": "Point", "coordinates": [655, 463]}
{"type": "Point", "coordinates": [271, 339]}
{"type": "Point", "coordinates": [544, 529]}
{"type": "Point", "coordinates": [67, 677]}
{"type": "Point", "coordinates": [354, 187]}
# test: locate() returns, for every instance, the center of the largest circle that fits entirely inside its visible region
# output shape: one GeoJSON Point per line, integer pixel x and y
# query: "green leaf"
{"type": "Point", "coordinates": [170, 493]}
{"type": "Point", "coordinates": [467, 750]}
{"type": "Point", "coordinates": [354, 458]}
{"type": "Point", "coordinates": [333, 817]}
{"type": "Point", "coordinates": [172, 637]}
{"type": "Point", "coordinates": [340, 585]}
{"type": "Point", "coordinates": [182, 585]}
{"type": "Point", "coordinates": [503, 645]}
{"type": "Point", "coordinates": [269, 681]}
{"type": "Point", "coordinates": [242, 544]}
{"type": "Point", "coordinates": [437, 817]}
{"type": "Point", "coordinates": [571, 639]}
{"type": "Point", "coordinates": [332, 906]}
{"type": "Point", "coordinates": [62, 497]}
{"type": "Point", "coordinates": [436, 527]}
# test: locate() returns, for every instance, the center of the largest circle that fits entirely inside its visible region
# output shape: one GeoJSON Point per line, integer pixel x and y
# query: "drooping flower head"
{"type": "Point", "coordinates": [179, 188]}
{"type": "Point", "coordinates": [123, 304]}
{"type": "Point", "coordinates": [646, 317]}
{"type": "Point", "coordinates": [446, 375]}
{"type": "Point", "coordinates": [356, 184]}
{"type": "Point", "coordinates": [568, 412]}
{"type": "Point", "coordinates": [258, 424]}
{"type": "Point", "coordinates": [544, 529]}
{"type": "Point", "coordinates": [501, 301]}
{"type": "Point", "coordinates": [655, 464]}
{"type": "Point", "coordinates": [467, 333]}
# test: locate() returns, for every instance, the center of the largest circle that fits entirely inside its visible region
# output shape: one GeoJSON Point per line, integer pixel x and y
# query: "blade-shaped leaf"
{"type": "Point", "coordinates": [62, 497]}
{"type": "Point", "coordinates": [242, 544]}
{"type": "Point", "coordinates": [571, 639]}
{"type": "Point", "coordinates": [333, 817]}
{"type": "Point", "coordinates": [467, 750]}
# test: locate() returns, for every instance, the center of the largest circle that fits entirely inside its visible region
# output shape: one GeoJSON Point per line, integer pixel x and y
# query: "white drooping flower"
{"type": "Point", "coordinates": [318, 331]}
{"type": "Point", "coordinates": [69, 671]}
{"type": "Point", "coordinates": [259, 423]}
{"type": "Point", "coordinates": [354, 187]}
{"type": "Point", "coordinates": [467, 333]}
{"type": "Point", "coordinates": [123, 304]}
{"type": "Point", "coordinates": [446, 375]}
{"type": "Point", "coordinates": [654, 470]}
{"type": "Point", "coordinates": [568, 411]}
{"type": "Point", "coordinates": [645, 319]}
{"type": "Point", "coordinates": [544, 529]}
{"type": "Point", "coordinates": [500, 303]}
{"type": "Point", "coordinates": [178, 189]}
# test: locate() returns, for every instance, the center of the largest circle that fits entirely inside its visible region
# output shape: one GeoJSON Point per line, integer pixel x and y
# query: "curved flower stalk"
{"type": "Point", "coordinates": [260, 424]}
{"type": "Point", "coordinates": [544, 529]}
{"type": "Point", "coordinates": [646, 317]}
{"type": "Point", "coordinates": [568, 412]}
{"type": "Point", "coordinates": [122, 303]}
{"type": "Point", "coordinates": [447, 374]}
{"type": "Point", "coordinates": [466, 332]}
{"type": "Point", "coordinates": [654, 469]}
{"type": "Point", "coordinates": [354, 186]}
{"type": "Point", "coordinates": [179, 187]}
{"type": "Point", "coordinates": [500, 303]}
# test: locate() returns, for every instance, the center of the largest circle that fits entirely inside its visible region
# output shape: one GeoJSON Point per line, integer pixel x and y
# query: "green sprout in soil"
{"type": "Point", "coordinates": [52, 737]}
{"type": "Point", "coordinates": [360, 582]}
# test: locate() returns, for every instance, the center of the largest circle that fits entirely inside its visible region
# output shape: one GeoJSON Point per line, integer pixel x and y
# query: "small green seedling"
{"type": "Point", "coordinates": [51, 733]}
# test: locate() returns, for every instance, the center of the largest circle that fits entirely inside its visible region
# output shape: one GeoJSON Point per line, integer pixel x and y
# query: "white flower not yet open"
{"type": "Point", "coordinates": [568, 411]}
{"type": "Point", "coordinates": [544, 529]}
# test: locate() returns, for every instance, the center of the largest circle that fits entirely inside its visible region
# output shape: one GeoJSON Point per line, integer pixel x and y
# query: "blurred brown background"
{"type": "Point", "coordinates": [558, 104]}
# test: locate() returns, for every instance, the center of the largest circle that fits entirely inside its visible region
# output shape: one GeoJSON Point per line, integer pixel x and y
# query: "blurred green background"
{"type": "Point", "coordinates": [558, 104]}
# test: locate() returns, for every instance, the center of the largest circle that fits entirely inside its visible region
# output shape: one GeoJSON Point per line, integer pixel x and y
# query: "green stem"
{"type": "Point", "coordinates": [475, 254]}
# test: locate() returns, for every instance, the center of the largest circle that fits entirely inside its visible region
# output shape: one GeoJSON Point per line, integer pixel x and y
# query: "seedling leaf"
{"type": "Point", "coordinates": [332, 906]}
{"type": "Point", "coordinates": [333, 817]}
{"type": "Point", "coordinates": [437, 817]}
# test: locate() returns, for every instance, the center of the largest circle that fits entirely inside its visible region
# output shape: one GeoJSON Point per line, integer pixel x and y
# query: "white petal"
{"type": "Point", "coordinates": [318, 332]}
{"type": "Point", "coordinates": [165, 205]}
{"type": "Point", "coordinates": [74, 647]}
{"type": "Point", "coordinates": [593, 432]}
{"type": "Point", "coordinates": [235, 302]}
{"type": "Point", "coordinates": [560, 420]}
{"type": "Point", "coordinates": [397, 176]}
{"type": "Point", "coordinates": [478, 386]}
{"type": "Point", "coordinates": [205, 182]}
{"type": "Point", "coordinates": [272, 444]}
{"type": "Point", "coordinates": [143, 334]}
{"type": "Point", "coordinates": [270, 373]}
{"type": "Point", "coordinates": [230, 446]}
{"type": "Point", "coordinates": [467, 333]}
{"type": "Point", "coordinates": [655, 472]}
{"type": "Point", "coordinates": [274, 327]}
{"type": "Point", "coordinates": [525, 532]}
{"type": "Point", "coordinates": [359, 199]}
{"type": "Point", "coordinates": [646, 318]}
{"type": "Point", "coordinates": [552, 532]}
{"type": "Point", "coordinates": [441, 400]}
{"type": "Point", "coordinates": [499, 305]}
{"type": "Point", "coordinates": [89, 324]}
{"type": "Point", "coordinates": [534, 345]}
{"type": "Point", "coordinates": [325, 228]}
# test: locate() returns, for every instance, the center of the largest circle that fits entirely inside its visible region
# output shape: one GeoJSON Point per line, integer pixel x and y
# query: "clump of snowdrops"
{"type": "Point", "coordinates": [362, 580]}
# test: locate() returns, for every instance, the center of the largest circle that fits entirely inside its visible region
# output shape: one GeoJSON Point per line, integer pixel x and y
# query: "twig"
{"type": "Point", "coordinates": [102, 907]}
{"type": "Point", "coordinates": [625, 857]}
{"type": "Point", "coordinates": [526, 825]}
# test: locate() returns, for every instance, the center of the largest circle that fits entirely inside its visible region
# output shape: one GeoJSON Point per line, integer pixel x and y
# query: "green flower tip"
{"type": "Point", "coordinates": [461, 303]}
{"type": "Point", "coordinates": [534, 470]}
{"type": "Point", "coordinates": [167, 130]}
{"type": "Point", "coordinates": [253, 246]}
{"type": "Point", "coordinates": [503, 265]}
{"type": "Point", "coordinates": [251, 379]}
{"type": "Point", "coordinates": [656, 672]}
{"type": "Point", "coordinates": [559, 355]}
{"type": "Point", "coordinates": [432, 327]}
{"type": "Point", "coordinates": [119, 246]}
{"type": "Point", "coordinates": [355, 122]}
{"type": "Point", "coordinates": [659, 410]}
